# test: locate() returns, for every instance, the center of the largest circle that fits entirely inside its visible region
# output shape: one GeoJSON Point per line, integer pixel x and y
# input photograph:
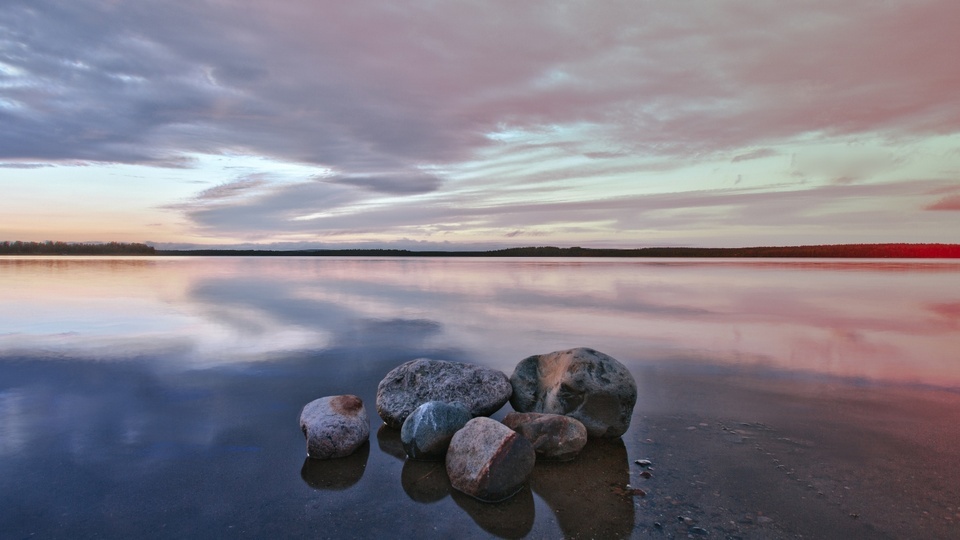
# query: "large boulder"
{"type": "Point", "coordinates": [489, 461]}
{"type": "Point", "coordinates": [583, 383]}
{"type": "Point", "coordinates": [554, 436]}
{"type": "Point", "coordinates": [426, 433]}
{"type": "Point", "coordinates": [481, 390]}
{"type": "Point", "coordinates": [334, 426]}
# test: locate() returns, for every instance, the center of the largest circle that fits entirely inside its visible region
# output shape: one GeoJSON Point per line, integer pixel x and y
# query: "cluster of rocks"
{"type": "Point", "coordinates": [441, 409]}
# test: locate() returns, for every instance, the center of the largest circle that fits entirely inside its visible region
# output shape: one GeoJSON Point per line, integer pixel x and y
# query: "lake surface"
{"type": "Point", "coordinates": [159, 397]}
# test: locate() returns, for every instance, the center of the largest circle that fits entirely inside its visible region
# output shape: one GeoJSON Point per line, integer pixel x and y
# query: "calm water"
{"type": "Point", "coordinates": [158, 397]}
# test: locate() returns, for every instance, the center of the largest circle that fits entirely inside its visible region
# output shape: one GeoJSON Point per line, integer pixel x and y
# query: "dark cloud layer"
{"type": "Point", "coordinates": [362, 86]}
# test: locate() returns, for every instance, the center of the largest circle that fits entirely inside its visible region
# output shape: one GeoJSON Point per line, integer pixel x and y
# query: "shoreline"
{"type": "Point", "coordinates": [832, 251]}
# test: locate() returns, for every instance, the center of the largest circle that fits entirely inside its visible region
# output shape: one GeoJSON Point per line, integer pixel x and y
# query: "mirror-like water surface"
{"type": "Point", "coordinates": [159, 396]}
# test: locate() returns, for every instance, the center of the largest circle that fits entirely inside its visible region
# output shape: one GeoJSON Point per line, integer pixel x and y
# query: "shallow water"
{"type": "Point", "coordinates": [158, 397]}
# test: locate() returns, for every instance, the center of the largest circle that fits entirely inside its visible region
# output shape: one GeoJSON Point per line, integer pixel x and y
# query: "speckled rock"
{"type": "Point", "coordinates": [583, 383]}
{"type": "Point", "coordinates": [334, 426]}
{"type": "Point", "coordinates": [489, 461]}
{"type": "Point", "coordinates": [481, 390]}
{"type": "Point", "coordinates": [554, 436]}
{"type": "Point", "coordinates": [426, 433]}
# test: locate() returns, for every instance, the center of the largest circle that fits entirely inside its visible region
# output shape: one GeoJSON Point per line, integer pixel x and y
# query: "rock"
{"type": "Point", "coordinates": [489, 461]}
{"type": "Point", "coordinates": [553, 436]}
{"type": "Point", "coordinates": [481, 390]}
{"type": "Point", "coordinates": [588, 385]}
{"type": "Point", "coordinates": [335, 426]}
{"type": "Point", "coordinates": [426, 433]}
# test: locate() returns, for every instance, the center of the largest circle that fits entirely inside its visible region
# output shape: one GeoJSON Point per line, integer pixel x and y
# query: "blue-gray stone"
{"type": "Point", "coordinates": [426, 433]}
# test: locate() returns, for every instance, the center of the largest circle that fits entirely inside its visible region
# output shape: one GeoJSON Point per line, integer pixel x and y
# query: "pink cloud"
{"type": "Point", "coordinates": [950, 202]}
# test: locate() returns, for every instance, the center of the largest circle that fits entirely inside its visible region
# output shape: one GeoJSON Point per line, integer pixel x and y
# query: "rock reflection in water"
{"type": "Point", "coordinates": [388, 439]}
{"type": "Point", "coordinates": [581, 492]}
{"type": "Point", "coordinates": [425, 481]}
{"type": "Point", "coordinates": [512, 518]}
{"type": "Point", "coordinates": [336, 474]}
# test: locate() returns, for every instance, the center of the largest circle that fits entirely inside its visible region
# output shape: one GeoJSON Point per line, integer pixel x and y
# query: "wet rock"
{"type": "Point", "coordinates": [553, 436]}
{"type": "Point", "coordinates": [426, 433]}
{"type": "Point", "coordinates": [481, 390]}
{"type": "Point", "coordinates": [583, 383]}
{"type": "Point", "coordinates": [334, 426]}
{"type": "Point", "coordinates": [489, 461]}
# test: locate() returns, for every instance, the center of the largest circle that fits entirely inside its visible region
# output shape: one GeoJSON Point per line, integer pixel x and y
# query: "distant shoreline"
{"type": "Point", "coordinates": [860, 251]}
{"type": "Point", "coordinates": [847, 251]}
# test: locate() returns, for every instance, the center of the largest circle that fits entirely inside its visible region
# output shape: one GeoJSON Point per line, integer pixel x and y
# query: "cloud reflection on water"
{"type": "Point", "coordinates": [878, 320]}
{"type": "Point", "coordinates": [140, 389]}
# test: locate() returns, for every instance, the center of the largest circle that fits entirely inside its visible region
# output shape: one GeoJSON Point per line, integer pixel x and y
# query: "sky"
{"type": "Point", "coordinates": [479, 124]}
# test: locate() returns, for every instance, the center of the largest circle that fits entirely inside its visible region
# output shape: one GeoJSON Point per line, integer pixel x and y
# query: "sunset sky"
{"type": "Point", "coordinates": [461, 124]}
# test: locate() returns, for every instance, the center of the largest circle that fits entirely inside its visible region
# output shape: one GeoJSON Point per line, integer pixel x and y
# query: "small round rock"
{"type": "Point", "coordinates": [554, 436]}
{"type": "Point", "coordinates": [334, 426]}
{"type": "Point", "coordinates": [426, 433]}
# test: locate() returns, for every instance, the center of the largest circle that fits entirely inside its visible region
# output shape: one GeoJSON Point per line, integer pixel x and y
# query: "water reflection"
{"type": "Point", "coordinates": [133, 391]}
{"type": "Point", "coordinates": [512, 518]}
{"type": "Point", "coordinates": [882, 320]}
{"type": "Point", "coordinates": [336, 474]}
{"type": "Point", "coordinates": [585, 494]}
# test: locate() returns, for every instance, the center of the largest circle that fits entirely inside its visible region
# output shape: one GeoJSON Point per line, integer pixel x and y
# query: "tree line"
{"type": "Point", "coordinates": [70, 248]}
{"type": "Point", "coordinates": [872, 251]}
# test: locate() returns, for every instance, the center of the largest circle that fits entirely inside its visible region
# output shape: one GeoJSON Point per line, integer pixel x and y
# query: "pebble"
{"type": "Point", "coordinates": [643, 462]}
{"type": "Point", "coordinates": [699, 530]}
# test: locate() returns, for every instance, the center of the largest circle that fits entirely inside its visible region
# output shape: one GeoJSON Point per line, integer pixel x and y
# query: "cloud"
{"type": "Point", "coordinates": [950, 202]}
{"type": "Point", "coordinates": [232, 189]}
{"type": "Point", "coordinates": [755, 154]}
{"type": "Point", "coordinates": [24, 165]}
{"type": "Point", "coordinates": [392, 184]}
{"type": "Point", "coordinates": [367, 87]}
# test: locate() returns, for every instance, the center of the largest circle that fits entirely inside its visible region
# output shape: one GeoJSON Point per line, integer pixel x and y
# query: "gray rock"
{"type": "Point", "coordinates": [426, 433]}
{"type": "Point", "coordinates": [489, 461]}
{"type": "Point", "coordinates": [481, 390]}
{"type": "Point", "coordinates": [335, 426]}
{"type": "Point", "coordinates": [588, 385]}
{"type": "Point", "coordinates": [553, 436]}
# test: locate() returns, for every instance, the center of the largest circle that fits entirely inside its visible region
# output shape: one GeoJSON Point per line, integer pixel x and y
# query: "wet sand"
{"type": "Point", "coordinates": [767, 457]}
